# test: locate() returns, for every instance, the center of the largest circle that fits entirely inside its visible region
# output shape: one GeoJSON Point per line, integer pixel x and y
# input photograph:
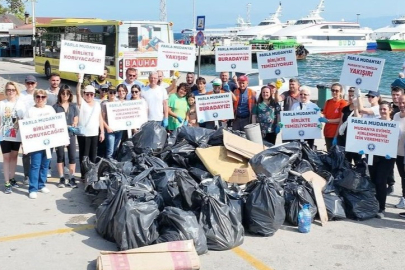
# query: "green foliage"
{"type": "Point", "coordinates": [14, 7]}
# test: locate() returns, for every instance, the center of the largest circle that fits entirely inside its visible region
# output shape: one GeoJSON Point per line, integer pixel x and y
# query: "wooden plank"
{"type": "Point", "coordinates": [318, 184]}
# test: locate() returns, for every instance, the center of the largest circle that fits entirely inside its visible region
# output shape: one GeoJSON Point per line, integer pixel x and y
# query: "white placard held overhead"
{"type": "Point", "coordinates": [81, 57]}
{"type": "Point", "coordinates": [277, 63]}
{"type": "Point", "coordinates": [300, 125]}
{"type": "Point", "coordinates": [176, 57]}
{"type": "Point", "coordinates": [130, 114]}
{"type": "Point", "coordinates": [214, 107]}
{"type": "Point", "coordinates": [233, 58]}
{"type": "Point", "coordinates": [362, 72]}
{"type": "Point", "coordinates": [43, 133]}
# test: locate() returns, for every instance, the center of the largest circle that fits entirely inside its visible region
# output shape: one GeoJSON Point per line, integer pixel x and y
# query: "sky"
{"type": "Point", "coordinates": [373, 13]}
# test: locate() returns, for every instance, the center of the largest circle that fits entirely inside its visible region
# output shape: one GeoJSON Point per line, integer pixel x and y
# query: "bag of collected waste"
{"type": "Point", "coordinates": [188, 188]}
{"type": "Point", "coordinates": [135, 225]}
{"type": "Point", "coordinates": [215, 187]}
{"type": "Point", "coordinates": [223, 232]}
{"type": "Point", "coordinates": [150, 139]}
{"type": "Point", "coordinates": [144, 161]}
{"type": "Point", "coordinates": [176, 224]}
{"type": "Point", "coordinates": [355, 180]}
{"type": "Point", "coordinates": [199, 174]}
{"type": "Point", "coordinates": [126, 152]}
{"type": "Point", "coordinates": [330, 182]}
{"type": "Point", "coordinates": [338, 159]}
{"type": "Point", "coordinates": [264, 206]}
{"type": "Point", "coordinates": [296, 196]}
{"type": "Point", "coordinates": [312, 157]}
{"type": "Point", "coordinates": [181, 154]}
{"type": "Point", "coordinates": [360, 205]}
{"type": "Point", "coordinates": [303, 166]}
{"type": "Point", "coordinates": [217, 137]}
{"type": "Point", "coordinates": [196, 136]}
{"type": "Point", "coordinates": [276, 162]}
{"type": "Point", "coordinates": [334, 206]}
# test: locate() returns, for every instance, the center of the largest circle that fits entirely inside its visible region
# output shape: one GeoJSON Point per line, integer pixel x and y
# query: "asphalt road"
{"type": "Point", "coordinates": [55, 232]}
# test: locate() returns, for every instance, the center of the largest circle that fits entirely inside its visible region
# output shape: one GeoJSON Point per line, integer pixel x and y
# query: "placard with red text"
{"type": "Point", "coordinates": [277, 64]}
{"type": "Point", "coordinates": [214, 107]}
{"type": "Point", "coordinates": [300, 125]}
{"type": "Point", "coordinates": [176, 57]}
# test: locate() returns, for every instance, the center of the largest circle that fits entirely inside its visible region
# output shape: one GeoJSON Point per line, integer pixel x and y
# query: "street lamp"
{"type": "Point", "coordinates": [358, 14]}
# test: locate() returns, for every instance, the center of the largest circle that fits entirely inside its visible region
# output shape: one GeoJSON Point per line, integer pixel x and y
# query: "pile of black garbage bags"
{"type": "Point", "coordinates": [157, 190]}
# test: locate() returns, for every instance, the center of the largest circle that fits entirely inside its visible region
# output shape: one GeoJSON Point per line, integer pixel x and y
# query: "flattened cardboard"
{"type": "Point", "coordinates": [318, 184]}
{"type": "Point", "coordinates": [242, 175]}
{"type": "Point", "coordinates": [241, 146]}
{"type": "Point", "coordinates": [235, 156]}
{"type": "Point", "coordinates": [166, 256]}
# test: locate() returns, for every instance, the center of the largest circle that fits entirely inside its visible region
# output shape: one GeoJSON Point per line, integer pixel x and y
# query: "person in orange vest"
{"type": "Point", "coordinates": [243, 104]}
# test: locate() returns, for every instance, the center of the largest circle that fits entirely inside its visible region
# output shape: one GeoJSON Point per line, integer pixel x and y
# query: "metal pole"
{"type": "Point", "coordinates": [199, 61]}
{"type": "Point", "coordinates": [33, 19]}
{"type": "Point", "coordinates": [193, 25]}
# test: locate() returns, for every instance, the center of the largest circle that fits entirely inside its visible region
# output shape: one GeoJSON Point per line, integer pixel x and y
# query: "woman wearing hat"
{"type": "Point", "coordinates": [90, 123]}
{"type": "Point", "coordinates": [374, 111]}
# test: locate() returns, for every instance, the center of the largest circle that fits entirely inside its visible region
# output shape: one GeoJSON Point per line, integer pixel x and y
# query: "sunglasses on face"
{"type": "Point", "coordinates": [131, 75]}
{"type": "Point", "coordinates": [335, 90]}
{"type": "Point", "coordinates": [89, 94]}
{"type": "Point", "coordinates": [30, 83]}
{"type": "Point", "coordinates": [371, 97]}
{"type": "Point", "coordinates": [112, 92]}
{"type": "Point", "coordinates": [66, 94]}
{"type": "Point", "coordinates": [135, 92]}
{"type": "Point", "coordinates": [11, 90]}
{"type": "Point", "coordinates": [40, 97]}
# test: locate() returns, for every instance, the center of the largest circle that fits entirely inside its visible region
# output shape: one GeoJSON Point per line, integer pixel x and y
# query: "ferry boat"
{"type": "Point", "coordinates": [320, 36]}
{"type": "Point", "coordinates": [392, 37]}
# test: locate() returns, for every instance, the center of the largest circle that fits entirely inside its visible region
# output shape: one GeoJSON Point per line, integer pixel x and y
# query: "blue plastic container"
{"type": "Point", "coordinates": [304, 219]}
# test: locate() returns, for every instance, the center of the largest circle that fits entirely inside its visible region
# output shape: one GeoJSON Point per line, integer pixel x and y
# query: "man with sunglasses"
{"type": "Point", "coordinates": [131, 79]}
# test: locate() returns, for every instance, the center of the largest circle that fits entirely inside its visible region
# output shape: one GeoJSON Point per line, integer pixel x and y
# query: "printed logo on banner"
{"type": "Point", "coordinates": [371, 147]}
{"type": "Point", "coordinates": [277, 72]}
{"type": "Point", "coordinates": [215, 115]}
{"type": "Point", "coordinates": [233, 66]}
{"type": "Point", "coordinates": [176, 65]}
{"type": "Point", "coordinates": [47, 141]}
{"type": "Point", "coordinates": [359, 81]}
{"type": "Point", "coordinates": [128, 123]}
{"type": "Point", "coordinates": [82, 66]}
{"type": "Point", "coordinates": [301, 133]}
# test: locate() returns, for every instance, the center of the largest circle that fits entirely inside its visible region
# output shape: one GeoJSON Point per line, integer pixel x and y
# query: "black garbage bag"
{"type": "Point", "coordinates": [188, 188]}
{"type": "Point", "coordinates": [303, 166]}
{"type": "Point", "coordinates": [106, 212]}
{"type": "Point", "coordinates": [217, 137]}
{"type": "Point", "coordinates": [199, 174]}
{"type": "Point", "coordinates": [276, 162]}
{"type": "Point", "coordinates": [360, 205]}
{"type": "Point", "coordinates": [312, 157]}
{"type": "Point", "coordinates": [86, 165]}
{"type": "Point", "coordinates": [181, 154]}
{"type": "Point", "coordinates": [150, 139]}
{"type": "Point", "coordinates": [334, 206]}
{"type": "Point", "coordinates": [215, 187]}
{"type": "Point", "coordinates": [338, 159]}
{"type": "Point", "coordinates": [144, 161]}
{"type": "Point", "coordinates": [161, 177]}
{"type": "Point", "coordinates": [196, 136]}
{"type": "Point", "coordinates": [296, 196]}
{"type": "Point", "coordinates": [330, 182]}
{"type": "Point", "coordinates": [264, 207]}
{"type": "Point", "coordinates": [171, 195]}
{"type": "Point", "coordinates": [126, 152]}
{"type": "Point", "coordinates": [176, 225]}
{"type": "Point", "coordinates": [222, 230]}
{"type": "Point", "coordinates": [354, 180]}
{"type": "Point", "coordinates": [135, 225]}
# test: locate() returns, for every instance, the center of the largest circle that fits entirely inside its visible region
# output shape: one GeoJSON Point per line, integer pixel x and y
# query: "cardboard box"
{"type": "Point", "coordinates": [241, 146]}
{"type": "Point", "coordinates": [178, 255]}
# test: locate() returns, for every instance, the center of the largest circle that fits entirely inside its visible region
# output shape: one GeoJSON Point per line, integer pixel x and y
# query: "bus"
{"type": "Point", "coordinates": [128, 44]}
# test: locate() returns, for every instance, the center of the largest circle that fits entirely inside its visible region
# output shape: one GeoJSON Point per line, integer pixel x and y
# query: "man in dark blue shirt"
{"type": "Point", "coordinates": [225, 81]}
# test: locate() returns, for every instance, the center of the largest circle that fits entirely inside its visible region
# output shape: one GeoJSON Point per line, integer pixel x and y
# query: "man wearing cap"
{"type": "Point", "coordinates": [131, 78]}
{"type": "Point", "coordinates": [53, 90]}
{"type": "Point", "coordinates": [103, 90]}
{"type": "Point", "coordinates": [245, 101]}
{"type": "Point", "coordinates": [27, 97]}
{"type": "Point", "coordinates": [156, 98]}
{"type": "Point", "coordinates": [292, 95]}
{"type": "Point", "coordinates": [374, 110]}
{"type": "Point", "coordinates": [101, 81]}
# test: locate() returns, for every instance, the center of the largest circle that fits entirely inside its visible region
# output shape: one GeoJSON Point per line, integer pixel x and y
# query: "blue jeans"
{"type": "Point", "coordinates": [112, 141]}
{"type": "Point", "coordinates": [38, 171]}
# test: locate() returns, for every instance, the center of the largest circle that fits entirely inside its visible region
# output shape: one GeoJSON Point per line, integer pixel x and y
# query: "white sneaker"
{"type": "Point", "coordinates": [49, 174]}
{"type": "Point", "coordinates": [401, 203]}
{"type": "Point", "coordinates": [44, 190]}
{"type": "Point", "coordinates": [32, 195]}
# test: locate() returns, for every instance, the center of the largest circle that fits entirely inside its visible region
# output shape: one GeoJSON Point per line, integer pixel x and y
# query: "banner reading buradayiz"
{"type": "Point", "coordinates": [43, 132]}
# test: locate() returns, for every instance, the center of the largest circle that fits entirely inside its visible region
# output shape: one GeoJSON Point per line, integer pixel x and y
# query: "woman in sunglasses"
{"type": "Point", "coordinates": [11, 109]}
{"type": "Point", "coordinates": [39, 161]}
{"type": "Point", "coordinates": [113, 137]}
{"type": "Point", "coordinates": [332, 112]}
{"type": "Point", "coordinates": [90, 123]}
{"type": "Point", "coordinates": [374, 110]}
{"type": "Point", "coordinates": [65, 105]}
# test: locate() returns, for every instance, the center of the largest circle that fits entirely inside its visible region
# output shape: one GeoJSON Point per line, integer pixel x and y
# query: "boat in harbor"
{"type": "Point", "coordinates": [392, 37]}
{"type": "Point", "coordinates": [324, 37]}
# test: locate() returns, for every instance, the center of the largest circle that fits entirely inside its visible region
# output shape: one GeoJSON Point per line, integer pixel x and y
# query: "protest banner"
{"type": "Point", "coordinates": [300, 125]}
{"type": "Point", "coordinates": [372, 136]}
{"type": "Point", "coordinates": [176, 57]}
{"type": "Point", "coordinates": [233, 58]}
{"type": "Point", "coordinates": [81, 57]}
{"type": "Point", "coordinates": [44, 133]}
{"type": "Point", "coordinates": [362, 72]}
{"type": "Point", "coordinates": [277, 63]}
{"type": "Point", "coordinates": [127, 115]}
{"type": "Point", "coordinates": [214, 107]}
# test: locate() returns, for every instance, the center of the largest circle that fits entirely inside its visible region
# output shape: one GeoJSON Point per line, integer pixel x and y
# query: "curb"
{"type": "Point", "coordinates": [31, 63]}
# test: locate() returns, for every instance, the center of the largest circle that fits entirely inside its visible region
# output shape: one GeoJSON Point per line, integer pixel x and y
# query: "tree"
{"type": "Point", "coordinates": [14, 7]}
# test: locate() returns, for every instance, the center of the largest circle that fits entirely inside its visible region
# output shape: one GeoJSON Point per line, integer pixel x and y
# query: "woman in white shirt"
{"type": "Point", "coordinates": [11, 110]}
{"type": "Point", "coordinates": [374, 111]}
{"type": "Point", "coordinates": [90, 122]}
{"type": "Point", "coordinates": [39, 161]}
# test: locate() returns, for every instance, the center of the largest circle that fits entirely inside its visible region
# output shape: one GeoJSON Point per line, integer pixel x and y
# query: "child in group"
{"type": "Point", "coordinates": [192, 114]}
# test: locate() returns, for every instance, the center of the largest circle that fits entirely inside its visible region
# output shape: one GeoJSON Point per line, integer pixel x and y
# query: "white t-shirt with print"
{"type": "Point", "coordinates": [10, 112]}
{"type": "Point", "coordinates": [90, 119]}
{"type": "Point", "coordinates": [154, 98]}
{"type": "Point", "coordinates": [35, 112]}
{"type": "Point", "coordinates": [27, 99]}
{"type": "Point", "coordinates": [376, 112]}
{"type": "Point", "coordinates": [305, 106]}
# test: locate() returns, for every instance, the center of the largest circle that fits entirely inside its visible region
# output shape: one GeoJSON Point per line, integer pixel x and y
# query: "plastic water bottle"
{"type": "Point", "coordinates": [304, 219]}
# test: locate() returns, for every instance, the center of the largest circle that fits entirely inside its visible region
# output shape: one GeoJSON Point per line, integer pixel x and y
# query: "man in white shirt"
{"type": "Point", "coordinates": [169, 87]}
{"type": "Point", "coordinates": [156, 97]}
{"type": "Point", "coordinates": [131, 78]}
{"type": "Point", "coordinates": [53, 90]}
